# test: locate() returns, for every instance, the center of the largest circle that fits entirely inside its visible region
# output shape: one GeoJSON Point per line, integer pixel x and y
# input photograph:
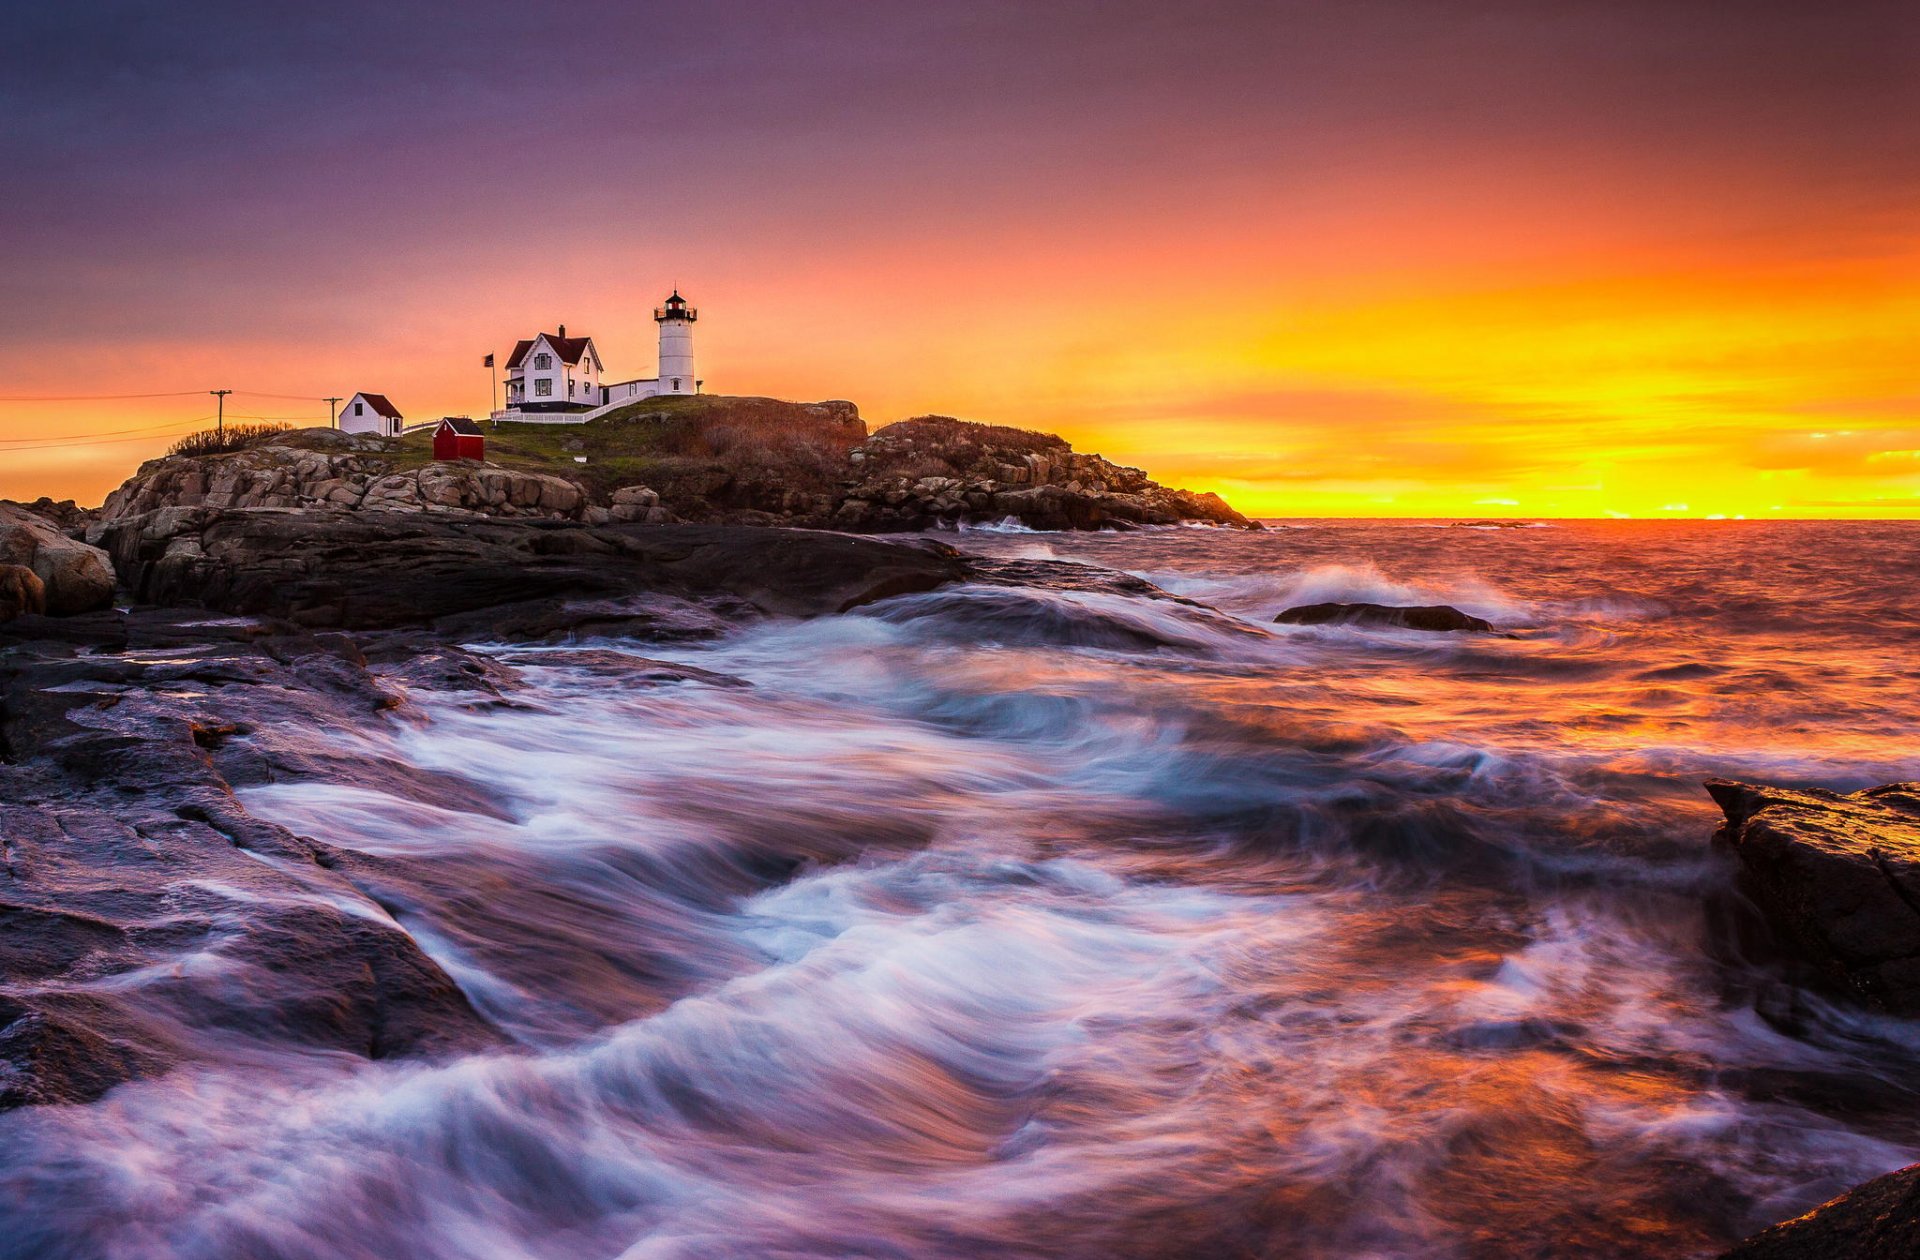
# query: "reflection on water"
{"type": "Point", "coordinates": [1064, 922]}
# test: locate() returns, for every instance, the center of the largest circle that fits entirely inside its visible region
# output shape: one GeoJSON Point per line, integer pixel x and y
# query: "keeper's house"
{"type": "Point", "coordinates": [556, 379]}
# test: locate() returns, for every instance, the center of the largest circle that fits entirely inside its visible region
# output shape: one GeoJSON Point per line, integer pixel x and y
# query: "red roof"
{"type": "Point", "coordinates": [380, 404]}
{"type": "Point", "coordinates": [570, 349]}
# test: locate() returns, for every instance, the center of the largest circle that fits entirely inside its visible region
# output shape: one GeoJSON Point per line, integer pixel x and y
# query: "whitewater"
{"type": "Point", "coordinates": [1075, 917]}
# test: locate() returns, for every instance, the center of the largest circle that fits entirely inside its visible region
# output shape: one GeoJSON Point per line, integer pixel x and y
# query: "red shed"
{"type": "Point", "coordinates": [459, 438]}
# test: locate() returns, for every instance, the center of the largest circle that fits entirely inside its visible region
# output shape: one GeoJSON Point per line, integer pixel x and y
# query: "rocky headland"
{"type": "Point", "coordinates": [716, 460]}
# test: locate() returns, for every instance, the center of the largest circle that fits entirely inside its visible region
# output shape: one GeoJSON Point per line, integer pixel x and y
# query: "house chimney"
{"type": "Point", "coordinates": [563, 330]}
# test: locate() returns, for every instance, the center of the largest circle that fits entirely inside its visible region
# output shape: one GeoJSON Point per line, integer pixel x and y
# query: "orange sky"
{"type": "Point", "coordinates": [1651, 264]}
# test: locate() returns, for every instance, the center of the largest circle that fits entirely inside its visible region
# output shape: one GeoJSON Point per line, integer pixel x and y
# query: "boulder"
{"type": "Point", "coordinates": [77, 578]}
{"type": "Point", "coordinates": [1432, 617]}
{"type": "Point", "coordinates": [1877, 1220]}
{"type": "Point", "coordinates": [1839, 876]}
{"type": "Point", "coordinates": [22, 593]}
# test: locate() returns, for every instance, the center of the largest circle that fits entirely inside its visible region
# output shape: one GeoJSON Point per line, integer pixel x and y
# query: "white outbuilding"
{"type": "Point", "coordinates": [370, 413]}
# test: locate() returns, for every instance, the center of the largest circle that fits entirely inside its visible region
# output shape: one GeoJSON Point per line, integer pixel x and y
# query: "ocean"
{"type": "Point", "coordinates": [1053, 918]}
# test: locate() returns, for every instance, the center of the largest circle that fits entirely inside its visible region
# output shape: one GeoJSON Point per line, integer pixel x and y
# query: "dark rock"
{"type": "Point", "coordinates": [1877, 1220]}
{"type": "Point", "coordinates": [1435, 617]}
{"type": "Point", "coordinates": [1839, 875]}
{"type": "Point", "coordinates": [50, 1053]}
{"type": "Point", "coordinates": [625, 667]}
{"type": "Point", "coordinates": [371, 570]}
{"type": "Point", "coordinates": [125, 862]}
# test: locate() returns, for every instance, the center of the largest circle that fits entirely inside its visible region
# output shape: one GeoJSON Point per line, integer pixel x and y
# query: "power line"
{"type": "Point", "coordinates": [185, 393]}
{"type": "Point", "coordinates": [150, 437]}
{"type": "Point", "coordinates": [151, 428]}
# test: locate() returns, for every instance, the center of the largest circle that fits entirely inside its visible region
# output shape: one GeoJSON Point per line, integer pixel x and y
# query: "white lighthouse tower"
{"type": "Point", "coordinates": [676, 345]}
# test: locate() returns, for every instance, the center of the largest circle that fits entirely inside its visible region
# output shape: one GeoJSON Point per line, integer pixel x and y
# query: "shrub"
{"type": "Point", "coordinates": [235, 437]}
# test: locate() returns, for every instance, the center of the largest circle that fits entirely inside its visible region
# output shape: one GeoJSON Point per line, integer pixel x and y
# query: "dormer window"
{"type": "Point", "coordinates": [542, 362]}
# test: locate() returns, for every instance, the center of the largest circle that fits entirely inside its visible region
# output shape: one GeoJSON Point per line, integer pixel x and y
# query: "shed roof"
{"type": "Point", "coordinates": [380, 404]}
{"type": "Point", "coordinates": [461, 425]}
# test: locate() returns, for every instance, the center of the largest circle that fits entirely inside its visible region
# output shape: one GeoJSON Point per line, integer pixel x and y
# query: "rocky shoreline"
{"type": "Point", "coordinates": [124, 734]}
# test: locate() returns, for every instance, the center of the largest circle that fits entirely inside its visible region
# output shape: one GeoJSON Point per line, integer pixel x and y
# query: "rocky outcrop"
{"type": "Point", "coordinates": [1839, 876]}
{"type": "Point", "coordinates": [351, 480]}
{"type": "Point", "coordinates": [77, 578]}
{"type": "Point", "coordinates": [1878, 1220]}
{"type": "Point", "coordinates": [637, 503]}
{"type": "Point", "coordinates": [69, 517]}
{"type": "Point", "coordinates": [748, 461]}
{"type": "Point", "coordinates": [1432, 617]}
{"type": "Point", "coordinates": [381, 569]}
{"type": "Point", "coordinates": [935, 470]}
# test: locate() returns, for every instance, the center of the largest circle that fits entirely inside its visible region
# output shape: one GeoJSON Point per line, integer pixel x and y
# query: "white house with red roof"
{"type": "Point", "coordinates": [556, 379]}
{"type": "Point", "coordinates": [370, 413]}
{"type": "Point", "coordinates": [552, 372]}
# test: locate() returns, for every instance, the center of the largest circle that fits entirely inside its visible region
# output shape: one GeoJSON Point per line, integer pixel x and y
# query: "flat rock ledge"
{"type": "Point", "coordinates": [1876, 1220]}
{"type": "Point", "coordinates": [1839, 876]}
{"type": "Point", "coordinates": [1437, 618]}
{"type": "Point", "coordinates": [511, 579]}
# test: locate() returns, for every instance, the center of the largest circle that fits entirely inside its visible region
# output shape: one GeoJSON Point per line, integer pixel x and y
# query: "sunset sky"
{"type": "Point", "coordinates": [1372, 257]}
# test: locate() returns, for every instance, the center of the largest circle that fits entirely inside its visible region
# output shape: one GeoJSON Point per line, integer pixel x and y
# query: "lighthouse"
{"type": "Point", "coordinates": [676, 345]}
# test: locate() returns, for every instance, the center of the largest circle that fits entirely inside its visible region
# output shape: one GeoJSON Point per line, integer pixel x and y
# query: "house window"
{"type": "Point", "coordinates": [543, 361]}
{"type": "Point", "coordinates": [359, 409]}
{"type": "Point", "coordinates": [543, 388]}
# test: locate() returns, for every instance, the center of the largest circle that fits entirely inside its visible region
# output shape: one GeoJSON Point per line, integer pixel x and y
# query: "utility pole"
{"type": "Point", "coordinates": [333, 421]}
{"type": "Point", "coordinates": [220, 418]}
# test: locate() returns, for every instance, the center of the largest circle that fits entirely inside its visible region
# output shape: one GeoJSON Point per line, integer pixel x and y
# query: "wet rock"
{"type": "Point", "coordinates": [1839, 875]}
{"type": "Point", "coordinates": [376, 570]}
{"type": "Point", "coordinates": [625, 667]}
{"type": "Point", "coordinates": [1432, 617]}
{"type": "Point", "coordinates": [77, 578]}
{"type": "Point", "coordinates": [1877, 1220]}
{"type": "Point", "coordinates": [49, 1053]}
{"type": "Point", "coordinates": [146, 918]}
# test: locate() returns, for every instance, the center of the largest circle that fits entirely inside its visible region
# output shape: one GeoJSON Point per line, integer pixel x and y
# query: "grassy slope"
{"type": "Point", "coordinates": [660, 439]}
